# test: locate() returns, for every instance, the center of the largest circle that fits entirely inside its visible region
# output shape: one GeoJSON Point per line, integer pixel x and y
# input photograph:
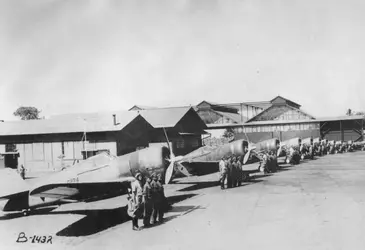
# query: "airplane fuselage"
{"type": "Point", "coordinates": [90, 174]}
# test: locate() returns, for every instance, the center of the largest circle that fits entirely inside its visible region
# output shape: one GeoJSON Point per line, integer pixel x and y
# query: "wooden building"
{"type": "Point", "coordinates": [63, 140]}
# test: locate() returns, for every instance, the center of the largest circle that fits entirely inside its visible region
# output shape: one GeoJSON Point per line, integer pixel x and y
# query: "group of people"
{"type": "Point", "coordinates": [269, 162]}
{"type": "Point", "coordinates": [146, 200]}
{"type": "Point", "coordinates": [230, 169]}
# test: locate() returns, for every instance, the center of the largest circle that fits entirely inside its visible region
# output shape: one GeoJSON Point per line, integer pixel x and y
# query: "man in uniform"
{"type": "Point", "coordinates": [271, 162]}
{"type": "Point", "coordinates": [239, 170]}
{"type": "Point", "coordinates": [147, 200]}
{"type": "Point", "coordinates": [229, 172]}
{"type": "Point", "coordinates": [236, 172]}
{"type": "Point", "coordinates": [263, 167]}
{"type": "Point", "coordinates": [22, 171]}
{"type": "Point", "coordinates": [156, 199]}
{"type": "Point", "coordinates": [222, 171]}
{"type": "Point", "coordinates": [163, 200]}
{"type": "Point", "coordinates": [136, 200]}
{"type": "Point", "coordinates": [233, 171]}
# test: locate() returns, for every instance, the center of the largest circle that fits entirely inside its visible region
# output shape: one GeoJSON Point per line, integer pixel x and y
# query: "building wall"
{"type": "Point", "coordinates": [255, 137]}
{"type": "Point", "coordinates": [181, 144]}
{"type": "Point", "coordinates": [49, 156]}
{"type": "Point", "coordinates": [293, 115]}
{"type": "Point", "coordinates": [249, 111]}
{"type": "Point", "coordinates": [280, 131]}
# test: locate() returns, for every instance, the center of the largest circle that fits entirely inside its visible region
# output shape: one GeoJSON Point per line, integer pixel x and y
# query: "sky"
{"type": "Point", "coordinates": [72, 56]}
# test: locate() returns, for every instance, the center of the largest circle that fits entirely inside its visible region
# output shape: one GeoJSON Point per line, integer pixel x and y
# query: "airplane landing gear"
{"type": "Point", "coordinates": [26, 212]}
{"type": "Point", "coordinates": [287, 160]}
{"type": "Point", "coordinates": [245, 177]}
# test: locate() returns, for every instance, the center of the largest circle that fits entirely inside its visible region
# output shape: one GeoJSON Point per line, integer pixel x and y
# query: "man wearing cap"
{"type": "Point", "coordinates": [234, 172]}
{"type": "Point", "coordinates": [164, 204]}
{"type": "Point", "coordinates": [147, 200]}
{"type": "Point", "coordinates": [159, 195]}
{"type": "Point", "coordinates": [229, 172]}
{"type": "Point", "coordinates": [136, 199]}
{"type": "Point", "coordinates": [155, 187]}
{"type": "Point", "coordinates": [240, 170]}
{"type": "Point", "coordinates": [222, 171]}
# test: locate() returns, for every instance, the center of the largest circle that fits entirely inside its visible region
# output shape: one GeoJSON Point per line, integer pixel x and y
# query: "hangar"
{"type": "Point", "coordinates": [49, 144]}
{"type": "Point", "coordinates": [279, 117]}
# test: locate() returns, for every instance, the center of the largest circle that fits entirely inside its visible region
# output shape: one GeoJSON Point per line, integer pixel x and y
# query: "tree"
{"type": "Point", "coordinates": [351, 112]}
{"type": "Point", "coordinates": [228, 134]}
{"type": "Point", "coordinates": [27, 113]}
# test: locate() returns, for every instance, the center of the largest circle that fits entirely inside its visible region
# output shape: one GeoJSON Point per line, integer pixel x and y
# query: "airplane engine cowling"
{"type": "Point", "coordinates": [307, 141]}
{"type": "Point", "coordinates": [233, 148]}
{"type": "Point", "coordinates": [146, 161]}
{"type": "Point", "coordinates": [268, 145]}
{"type": "Point", "coordinates": [317, 141]}
{"type": "Point", "coordinates": [294, 142]}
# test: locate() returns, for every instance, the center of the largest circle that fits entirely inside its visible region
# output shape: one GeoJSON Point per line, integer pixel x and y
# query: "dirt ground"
{"type": "Point", "coordinates": [318, 204]}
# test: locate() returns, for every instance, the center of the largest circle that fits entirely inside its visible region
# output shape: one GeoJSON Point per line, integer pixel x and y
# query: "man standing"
{"type": "Point", "coordinates": [155, 198]}
{"type": "Point", "coordinates": [229, 172]}
{"type": "Point", "coordinates": [147, 200]}
{"type": "Point", "coordinates": [222, 171]}
{"type": "Point", "coordinates": [160, 199]}
{"type": "Point", "coordinates": [239, 171]}
{"type": "Point", "coordinates": [136, 200]}
{"type": "Point", "coordinates": [234, 172]}
{"type": "Point", "coordinates": [22, 171]}
{"type": "Point", "coordinates": [263, 167]}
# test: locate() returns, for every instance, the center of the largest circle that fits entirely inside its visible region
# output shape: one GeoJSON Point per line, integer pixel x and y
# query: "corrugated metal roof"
{"type": "Point", "coordinates": [233, 116]}
{"type": "Point", "coordinates": [164, 117]}
{"type": "Point", "coordinates": [262, 105]}
{"type": "Point", "coordinates": [223, 126]}
{"type": "Point", "coordinates": [279, 96]}
{"type": "Point", "coordinates": [275, 111]}
{"type": "Point", "coordinates": [141, 107]}
{"type": "Point", "coordinates": [271, 122]}
{"type": "Point", "coordinates": [342, 118]}
{"type": "Point", "coordinates": [70, 123]}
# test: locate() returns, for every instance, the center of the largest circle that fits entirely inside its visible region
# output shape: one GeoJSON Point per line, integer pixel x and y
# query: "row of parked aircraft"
{"type": "Point", "coordinates": [105, 175]}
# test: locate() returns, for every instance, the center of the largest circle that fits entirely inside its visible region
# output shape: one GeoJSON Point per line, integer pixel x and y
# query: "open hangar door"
{"type": "Point", "coordinates": [344, 130]}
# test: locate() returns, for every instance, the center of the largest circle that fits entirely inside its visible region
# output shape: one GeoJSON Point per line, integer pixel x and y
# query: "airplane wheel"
{"type": "Point", "coordinates": [245, 177]}
{"type": "Point", "coordinates": [25, 212]}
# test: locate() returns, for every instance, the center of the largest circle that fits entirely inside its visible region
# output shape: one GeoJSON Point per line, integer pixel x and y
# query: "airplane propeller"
{"type": "Point", "coordinates": [174, 162]}
{"type": "Point", "coordinates": [280, 150]}
{"type": "Point", "coordinates": [247, 155]}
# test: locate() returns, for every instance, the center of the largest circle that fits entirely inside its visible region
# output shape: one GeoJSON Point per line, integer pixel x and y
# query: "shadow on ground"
{"type": "Point", "coordinates": [198, 185]}
{"type": "Point", "coordinates": [99, 220]}
{"type": "Point", "coordinates": [40, 211]}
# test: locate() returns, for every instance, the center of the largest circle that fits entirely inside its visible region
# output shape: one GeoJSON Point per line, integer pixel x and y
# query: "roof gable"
{"type": "Point", "coordinates": [282, 112]}
{"type": "Point", "coordinates": [279, 100]}
{"type": "Point", "coordinates": [140, 107]}
{"type": "Point", "coordinates": [217, 107]}
{"type": "Point", "coordinates": [168, 117]}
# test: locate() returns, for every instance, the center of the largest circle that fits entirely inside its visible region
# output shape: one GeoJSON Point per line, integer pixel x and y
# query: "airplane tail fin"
{"type": "Point", "coordinates": [11, 183]}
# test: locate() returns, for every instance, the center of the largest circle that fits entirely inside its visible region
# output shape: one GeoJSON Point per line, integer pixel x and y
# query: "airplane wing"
{"type": "Point", "coordinates": [10, 176]}
{"type": "Point", "coordinates": [81, 191]}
